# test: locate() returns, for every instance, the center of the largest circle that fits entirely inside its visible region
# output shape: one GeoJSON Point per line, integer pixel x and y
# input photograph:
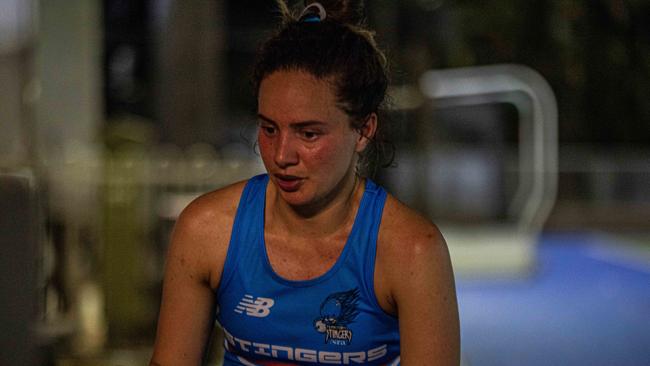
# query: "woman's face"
{"type": "Point", "coordinates": [305, 139]}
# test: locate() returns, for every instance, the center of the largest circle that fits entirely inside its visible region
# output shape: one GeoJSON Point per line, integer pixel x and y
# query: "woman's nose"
{"type": "Point", "coordinates": [285, 152]}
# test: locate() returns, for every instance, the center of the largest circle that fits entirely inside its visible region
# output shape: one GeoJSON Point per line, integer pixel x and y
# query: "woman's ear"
{"type": "Point", "coordinates": [366, 132]}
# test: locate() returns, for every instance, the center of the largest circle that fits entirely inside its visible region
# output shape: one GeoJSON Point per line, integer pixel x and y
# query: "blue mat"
{"type": "Point", "coordinates": [583, 305]}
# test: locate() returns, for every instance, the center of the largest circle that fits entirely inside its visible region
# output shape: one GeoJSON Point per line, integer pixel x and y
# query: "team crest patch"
{"type": "Point", "coordinates": [336, 313]}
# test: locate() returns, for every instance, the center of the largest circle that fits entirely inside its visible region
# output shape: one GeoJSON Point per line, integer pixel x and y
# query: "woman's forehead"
{"type": "Point", "coordinates": [298, 96]}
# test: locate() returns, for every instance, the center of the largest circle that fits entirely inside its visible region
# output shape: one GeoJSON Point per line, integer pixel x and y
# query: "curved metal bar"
{"type": "Point", "coordinates": [536, 194]}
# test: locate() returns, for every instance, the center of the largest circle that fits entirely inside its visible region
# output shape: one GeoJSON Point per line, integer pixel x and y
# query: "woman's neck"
{"type": "Point", "coordinates": [321, 219]}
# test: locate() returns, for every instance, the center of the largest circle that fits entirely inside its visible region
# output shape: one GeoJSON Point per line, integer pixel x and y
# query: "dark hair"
{"type": "Point", "coordinates": [342, 51]}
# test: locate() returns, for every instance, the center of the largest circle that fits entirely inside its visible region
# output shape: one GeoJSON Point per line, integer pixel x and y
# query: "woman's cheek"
{"type": "Point", "coordinates": [328, 153]}
{"type": "Point", "coordinates": [265, 145]}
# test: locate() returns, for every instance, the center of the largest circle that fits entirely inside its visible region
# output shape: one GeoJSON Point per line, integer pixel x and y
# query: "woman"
{"type": "Point", "coordinates": [311, 263]}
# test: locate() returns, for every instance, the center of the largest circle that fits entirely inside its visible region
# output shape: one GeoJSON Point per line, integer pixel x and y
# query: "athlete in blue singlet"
{"type": "Point", "coordinates": [331, 319]}
{"type": "Point", "coordinates": [311, 263]}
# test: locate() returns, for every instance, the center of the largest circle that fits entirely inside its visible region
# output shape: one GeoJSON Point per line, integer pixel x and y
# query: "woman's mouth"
{"type": "Point", "coordinates": [288, 183]}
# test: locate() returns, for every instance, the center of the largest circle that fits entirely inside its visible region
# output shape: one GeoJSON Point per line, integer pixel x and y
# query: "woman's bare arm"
{"type": "Point", "coordinates": [192, 271]}
{"type": "Point", "coordinates": [417, 268]}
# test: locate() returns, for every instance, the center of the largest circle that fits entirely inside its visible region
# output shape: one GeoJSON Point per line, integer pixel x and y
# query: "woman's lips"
{"type": "Point", "coordinates": [288, 183]}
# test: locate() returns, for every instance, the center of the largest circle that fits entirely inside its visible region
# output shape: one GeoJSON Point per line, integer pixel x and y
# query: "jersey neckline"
{"type": "Point", "coordinates": [339, 261]}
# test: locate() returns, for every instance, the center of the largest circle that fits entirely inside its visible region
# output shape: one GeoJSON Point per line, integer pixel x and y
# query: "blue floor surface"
{"type": "Point", "coordinates": [582, 305]}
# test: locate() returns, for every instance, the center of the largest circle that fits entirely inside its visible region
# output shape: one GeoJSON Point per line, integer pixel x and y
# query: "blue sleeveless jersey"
{"type": "Point", "coordinates": [333, 319]}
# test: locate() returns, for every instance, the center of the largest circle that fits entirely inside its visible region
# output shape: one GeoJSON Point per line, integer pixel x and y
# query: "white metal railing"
{"type": "Point", "coordinates": [537, 188]}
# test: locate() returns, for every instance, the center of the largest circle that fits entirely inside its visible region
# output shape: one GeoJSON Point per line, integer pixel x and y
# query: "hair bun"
{"type": "Point", "coordinates": [344, 11]}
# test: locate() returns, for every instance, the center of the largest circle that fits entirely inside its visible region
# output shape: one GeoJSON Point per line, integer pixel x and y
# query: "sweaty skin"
{"type": "Point", "coordinates": [310, 152]}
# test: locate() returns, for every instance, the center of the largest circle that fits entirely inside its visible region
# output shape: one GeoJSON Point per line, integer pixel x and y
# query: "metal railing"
{"type": "Point", "coordinates": [537, 188]}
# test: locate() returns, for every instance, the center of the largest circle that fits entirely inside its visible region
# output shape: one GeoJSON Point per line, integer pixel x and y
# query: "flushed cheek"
{"type": "Point", "coordinates": [266, 147]}
{"type": "Point", "coordinates": [330, 155]}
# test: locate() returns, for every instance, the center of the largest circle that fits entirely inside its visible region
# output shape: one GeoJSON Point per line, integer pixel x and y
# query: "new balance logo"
{"type": "Point", "coordinates": [260, 307]}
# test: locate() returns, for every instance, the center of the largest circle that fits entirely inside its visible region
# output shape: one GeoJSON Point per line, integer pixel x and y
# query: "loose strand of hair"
{"type": "Point", "coordinates": [285, 12]}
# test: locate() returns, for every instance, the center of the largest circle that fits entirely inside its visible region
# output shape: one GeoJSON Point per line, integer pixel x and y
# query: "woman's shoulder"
{"type": "Point", "coordinates": [215, 206]}
{"type": "Point", "coordinates": [406, 236]}
{"type": "Point", "coordinates": [202, 231]}
{"type": "Point", "coordinates": [406, 228]}
{"type": "Point", "coordinates": [412, 255]}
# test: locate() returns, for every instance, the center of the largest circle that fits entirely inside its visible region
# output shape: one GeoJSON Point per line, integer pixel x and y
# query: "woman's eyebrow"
{"type": "Point", "coordinates": [265, 118]}
{"type": "Point", "coordinates": [301, 124]}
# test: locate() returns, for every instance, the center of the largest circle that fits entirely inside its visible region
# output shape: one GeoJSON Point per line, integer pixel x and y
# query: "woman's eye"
{"type": "Point", "coordinates": [269, 130]}
{"type": "Point", "coordinates": [310, 135]}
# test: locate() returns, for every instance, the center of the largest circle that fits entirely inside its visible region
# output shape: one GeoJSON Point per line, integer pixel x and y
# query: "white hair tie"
{"type": "Point", "coordinates": [313, 13]}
